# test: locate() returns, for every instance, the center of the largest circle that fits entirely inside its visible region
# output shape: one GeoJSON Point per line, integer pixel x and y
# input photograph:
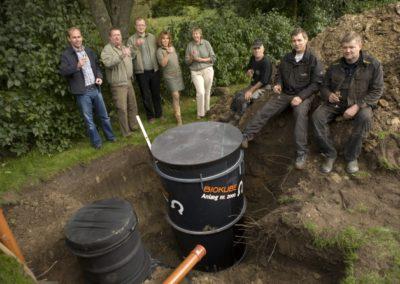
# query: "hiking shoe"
{"type": "Point", "coordinates": [246, 139]}
{"type": "Point", "coordinates": [245, 142]}
{"type": "Point", "coordinates": [97, 147]}
{"type": "Point", "coordinates": [352, 167]}
{"type": "Point", "coordinates": [327, 165]}
{"type": "Point", "coordinates": [301, 160]}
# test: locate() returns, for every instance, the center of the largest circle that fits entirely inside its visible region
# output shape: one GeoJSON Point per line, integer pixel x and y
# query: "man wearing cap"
{"type": "Point", "coordinates": [352, 87]}
{"type": "Point", "coordinates": [259, 69]}
{"type": "Point", "coordinates": [298, 78]}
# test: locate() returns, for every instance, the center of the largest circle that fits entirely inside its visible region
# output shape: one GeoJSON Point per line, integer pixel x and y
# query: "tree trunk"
{"type": "Point", "coordinates": [101, 18]}
{"type": "Point", "coordinates": [120, 12]}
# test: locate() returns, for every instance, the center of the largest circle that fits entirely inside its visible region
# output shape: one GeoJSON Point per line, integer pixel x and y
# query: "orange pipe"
{"type": "Point", "coordinates": [183, 269]}
{"type": "Point", "coordinates": [7, 238]}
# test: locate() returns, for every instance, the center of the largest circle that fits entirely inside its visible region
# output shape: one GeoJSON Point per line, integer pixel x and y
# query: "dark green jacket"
{"type": "Point", "coordinates": [366, 85]}
{"type": "Point", "coordinates": [301, 78]}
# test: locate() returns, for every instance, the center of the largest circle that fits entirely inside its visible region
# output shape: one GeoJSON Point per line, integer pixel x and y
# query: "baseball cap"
{"type": "Point", "coordinates": [257, 43]}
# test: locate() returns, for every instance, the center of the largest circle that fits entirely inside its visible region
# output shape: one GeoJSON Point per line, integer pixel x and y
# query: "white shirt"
{"type": "Point", "coordinates": [298, 57]}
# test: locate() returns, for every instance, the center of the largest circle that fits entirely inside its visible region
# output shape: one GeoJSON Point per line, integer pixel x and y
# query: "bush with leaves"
{"type": "Point", "coordinates": [231, 37]}
{"type": "Point", "coordinates": [37, 109]}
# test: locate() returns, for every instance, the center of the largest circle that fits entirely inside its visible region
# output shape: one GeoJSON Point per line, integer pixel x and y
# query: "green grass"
{"type": "Point", "coordinates": [11, 272]}
{"type": "Point", "coordinates": [286, 199]}
{"type": "Point", "coordinates": [34, 167]}
{"type": "Point", "coordinates": [383, 244]}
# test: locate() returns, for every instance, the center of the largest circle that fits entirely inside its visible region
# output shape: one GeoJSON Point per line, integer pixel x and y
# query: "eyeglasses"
{"type": "Point", "coordinates": [256, 47]}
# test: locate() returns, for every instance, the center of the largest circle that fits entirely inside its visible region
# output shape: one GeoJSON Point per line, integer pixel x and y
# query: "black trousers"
{"type": "Point", "coordinates": [149, 85]}
{"type": "Point", "coordinates": [276, 105]}
{"type": "Point", "coordinates": [326, 113]}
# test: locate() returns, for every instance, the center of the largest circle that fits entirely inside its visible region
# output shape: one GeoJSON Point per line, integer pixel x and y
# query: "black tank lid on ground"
{"type": "Point", "coordinates": [100, 225]}
{"type": "Point", "coordinates": [196, 143]}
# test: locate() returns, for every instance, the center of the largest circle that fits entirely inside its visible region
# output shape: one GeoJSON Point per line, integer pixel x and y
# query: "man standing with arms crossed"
{"type": "Point", "coordinates": [80, 67]}
{"type": "Point", "coordinates": [144, 48]}
{"type": "Point", "coordinates": [118, 62]}
{"type": "Point", "coordinates": [352, 87]}
{"type": "Point", "coordinates": [298, 78]}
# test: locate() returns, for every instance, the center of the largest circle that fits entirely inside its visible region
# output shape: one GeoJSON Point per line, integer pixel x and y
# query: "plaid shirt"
{"type": "Point", "coordinates": [86, 68]}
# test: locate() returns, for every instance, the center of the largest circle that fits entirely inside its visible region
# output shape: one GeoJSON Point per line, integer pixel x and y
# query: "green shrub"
{"type": "Point", "coordinates": [37, 109]}
{"type": "Point", "coordinates": [231, 37]}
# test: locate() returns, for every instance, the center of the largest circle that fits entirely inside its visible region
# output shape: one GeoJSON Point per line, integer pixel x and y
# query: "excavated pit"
{"type": "Point", "coordinates": [40, 213]}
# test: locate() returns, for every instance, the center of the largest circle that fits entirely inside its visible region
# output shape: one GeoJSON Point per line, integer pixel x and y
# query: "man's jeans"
{"type": "Point", "coordinates": [93, 99]}
{"type": "Point", "coordinates": [239, 103]}
{"type": "Point", "coordinates": [276, 105]}
{"type": "Point", "coordinates": [326, 113]}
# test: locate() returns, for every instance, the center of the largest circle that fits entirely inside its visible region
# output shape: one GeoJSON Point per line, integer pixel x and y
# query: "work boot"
{"type": "Point", "coordinates": [301, 160]}
{"type": "Point", "coordinates": [246, 140]}
{"type": "Point", "coordinates": [327, 165]}
{"type": "Point", "coordinates": [352, 167]}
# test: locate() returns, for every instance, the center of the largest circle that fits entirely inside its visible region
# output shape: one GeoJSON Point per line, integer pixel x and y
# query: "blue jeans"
{"type": "Point", "coordinates": [93, 99]}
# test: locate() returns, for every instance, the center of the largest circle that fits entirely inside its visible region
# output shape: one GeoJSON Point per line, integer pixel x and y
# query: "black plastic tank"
{"type": "Point", "coordinates": [202, 168]}
{"type": "Point", "coordinates": [105, 238]}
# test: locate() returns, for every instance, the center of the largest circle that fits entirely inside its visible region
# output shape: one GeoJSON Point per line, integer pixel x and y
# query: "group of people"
{"type": "Point", "coordinates": [141, 58]}
{"type": "Point", "coordinates": [351, 86]}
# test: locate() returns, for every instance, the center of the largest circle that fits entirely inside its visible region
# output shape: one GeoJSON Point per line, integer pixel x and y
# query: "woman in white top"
{"type": "Point", "coordinates": [200, 57]}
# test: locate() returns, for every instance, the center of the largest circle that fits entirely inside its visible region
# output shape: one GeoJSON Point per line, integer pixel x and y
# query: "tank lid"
{"type": "Point", "coordinates": [100, 225]}
{"type": "Point", "coordinates": [196, 143]}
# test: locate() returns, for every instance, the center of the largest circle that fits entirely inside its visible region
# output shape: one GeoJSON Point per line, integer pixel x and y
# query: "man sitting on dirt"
{"type": "Point", "coordinates": [352, 87]}
{"type": "Point", "coordinates": [260, 70]}
{"type": "Point", "coordinates": [298, 78]}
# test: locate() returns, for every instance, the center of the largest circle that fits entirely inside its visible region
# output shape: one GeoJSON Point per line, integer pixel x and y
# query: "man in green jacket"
{"type": "Point", "coordinates": [119, 71]}
{"type": "Point", "coordinates": [144, 47]}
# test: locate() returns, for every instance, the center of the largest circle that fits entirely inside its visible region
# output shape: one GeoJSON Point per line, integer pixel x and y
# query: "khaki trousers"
{"type": "Point", "coordinates": [202, 80]}
{"type": "Point", "coordinates": [125, 102]}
